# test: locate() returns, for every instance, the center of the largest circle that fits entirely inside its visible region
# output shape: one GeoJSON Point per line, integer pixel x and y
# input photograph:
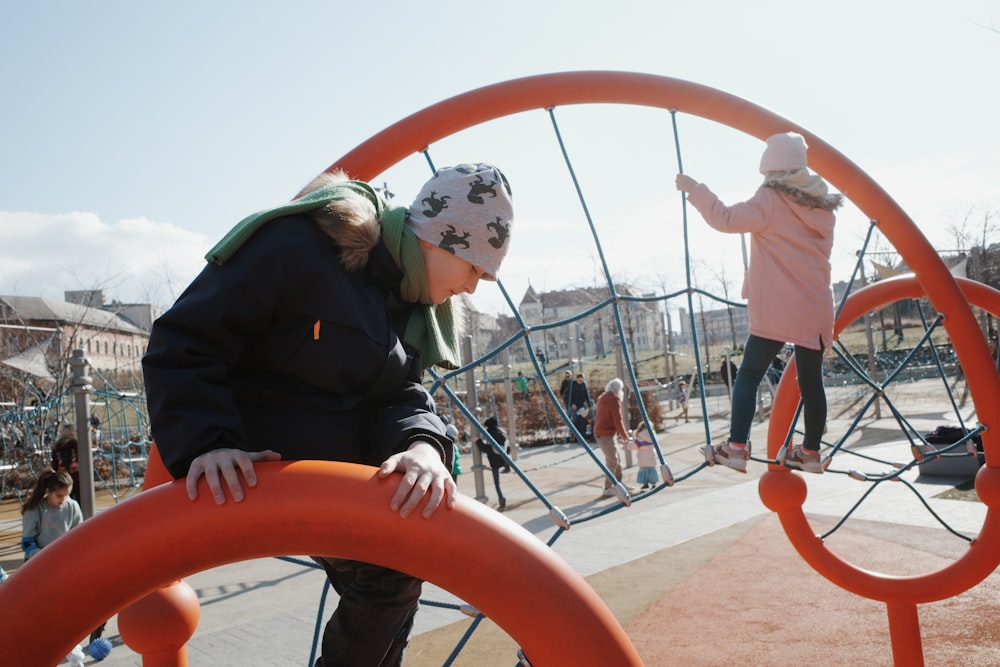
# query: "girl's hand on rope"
{"type": "Point", "coordinates": [423, 474]}
{"type": "Point", "coordinates": [221, 469]}
{"type": "Point", "coordinates": [685, 183]}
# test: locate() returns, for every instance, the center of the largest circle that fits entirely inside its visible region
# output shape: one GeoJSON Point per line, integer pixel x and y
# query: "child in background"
{"type": "Point", "coordinates": [681, 396]}
{"type": "Point", "coordinates": [496, 460]}
{"type": "Point", "coordinates": [49, 512]}
{"type": "Point", "coordinates": [64, 457]}
{"type": "Point", "coordinates": [642, 445]}
{"type": "Point", "coordinates": [790, 220]}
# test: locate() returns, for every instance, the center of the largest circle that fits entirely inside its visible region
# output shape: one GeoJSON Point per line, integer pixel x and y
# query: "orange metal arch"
{"type": "Point", "coordinates": [160, 536]}
{"type": "Point", "coordinates": [785, 493]}
{"type": "Point", "coordinates": [583, 633]}
{"type": "Point", "coordinates": [781, 491]}
{"type": "Point", "coordinates": [417, 131]}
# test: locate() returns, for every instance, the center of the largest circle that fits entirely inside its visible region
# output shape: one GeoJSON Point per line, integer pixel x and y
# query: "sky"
{"type": "Point", "coordinates": [134, 135]}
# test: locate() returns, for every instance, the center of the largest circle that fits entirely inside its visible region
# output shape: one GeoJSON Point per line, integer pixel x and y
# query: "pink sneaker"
{"type": "Point", "coordinates": [727, 456]}
{"type": "Point", "coordinates": [804, 460]}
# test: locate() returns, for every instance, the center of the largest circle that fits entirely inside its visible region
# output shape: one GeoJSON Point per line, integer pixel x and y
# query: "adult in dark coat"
{"type": "Point", "coordinates": [580, 406]}
{"type": "Point", "coordinates": [579, 395]}
{"type": "Point", "coordinates": [564, 388]}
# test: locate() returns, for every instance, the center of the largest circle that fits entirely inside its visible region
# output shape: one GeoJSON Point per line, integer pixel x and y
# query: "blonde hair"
{"type": "Point", "coordinates": [350, 221]}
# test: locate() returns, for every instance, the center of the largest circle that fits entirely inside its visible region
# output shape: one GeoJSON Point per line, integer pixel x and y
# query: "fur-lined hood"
{"type": "Point", "coordinates": [829, 202]}
{"type": "Point", "coordinates": [351, 222]}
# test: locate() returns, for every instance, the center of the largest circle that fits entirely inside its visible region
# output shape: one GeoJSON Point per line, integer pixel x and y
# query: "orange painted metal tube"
{"type": "Point", "coordinates": [417, 131]}
{"type": "Point", "coordinates": [785, 493]}
{"type": "Point", "coordinates": [158, 626]}
{"type": "Point", "coordinates": [532, 593]}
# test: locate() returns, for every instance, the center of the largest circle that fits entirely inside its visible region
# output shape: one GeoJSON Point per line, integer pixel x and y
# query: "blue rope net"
{"type": "Point", "coordinates": [119, 435]}
{"type": "Point", "coordinates": [852, 388]}
{"type": "Point", "coordinates": [930, 360]}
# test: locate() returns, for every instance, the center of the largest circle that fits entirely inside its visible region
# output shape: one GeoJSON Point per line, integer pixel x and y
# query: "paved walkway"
{"type": "Point", "coordinates": [263, 612]}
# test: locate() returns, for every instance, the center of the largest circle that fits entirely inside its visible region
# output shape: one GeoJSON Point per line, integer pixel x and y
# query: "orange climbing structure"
{"type": "Point", "coordinates": [785, 493]}
{"type": "Point", "coordinates": [159, 537]}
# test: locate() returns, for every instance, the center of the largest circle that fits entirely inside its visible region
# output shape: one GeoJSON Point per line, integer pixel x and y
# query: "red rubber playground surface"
{"type": "Point", "coordinates": [739, 592]}
{"type": "Point", "coordinates": [756, 602]}
{"type": "Point", "coordinates": [742, 595]}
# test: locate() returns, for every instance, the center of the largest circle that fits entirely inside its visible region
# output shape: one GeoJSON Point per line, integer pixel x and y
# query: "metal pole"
{"type": "Point", "coordinates": [472, 401]}
{"type": "Point", "coordinates": [669, 360]}
{"type": "Point", "coordinates": [80, 387]}
{"type": "Point", "coordinates": [511, 410]}
{"type": "Point", "coordinates": [872, 370]}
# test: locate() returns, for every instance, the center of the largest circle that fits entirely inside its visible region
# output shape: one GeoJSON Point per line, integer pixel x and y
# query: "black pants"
{"type": "Point", "coordinates": [372, 623]}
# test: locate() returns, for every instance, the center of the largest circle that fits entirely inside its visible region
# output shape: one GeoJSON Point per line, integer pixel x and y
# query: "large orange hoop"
{"type": "Point", "coordinates": [785, 494]}
{"type": "Point", "coordinates": [417, 131]}
{"type": "Point", "coordinates": [932, 278]}
{"type": "Point", "coordinates": [356, 522]}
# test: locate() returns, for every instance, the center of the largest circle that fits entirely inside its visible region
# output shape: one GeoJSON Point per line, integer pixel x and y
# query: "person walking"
{"type": "Point", "coordinates": [609, 424]}
{"type": "Point", "coordinates": [496, 461]}
{"type": "Point", "coordinates": [681, 396]}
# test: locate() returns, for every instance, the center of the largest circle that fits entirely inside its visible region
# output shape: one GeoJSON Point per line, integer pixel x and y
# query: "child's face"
{"type": "Point", "coordinates": [448, 274]}
{"type": "Point", "coordinates": [57, 498]}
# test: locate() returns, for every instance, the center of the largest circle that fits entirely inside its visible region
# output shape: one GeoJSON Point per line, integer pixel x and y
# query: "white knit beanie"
{"type": "Point", "coordinates": [467, 210]}
{"type": "Point", "coordinates": [784, 152]}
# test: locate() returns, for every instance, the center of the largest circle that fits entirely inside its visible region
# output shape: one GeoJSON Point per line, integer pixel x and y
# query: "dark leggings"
{"type": "Point", "coordinates": [758, 353]}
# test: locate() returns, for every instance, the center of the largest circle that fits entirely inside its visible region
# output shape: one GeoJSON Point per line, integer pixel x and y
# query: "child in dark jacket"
{"type": "Point", "coordinates": [497, 462]}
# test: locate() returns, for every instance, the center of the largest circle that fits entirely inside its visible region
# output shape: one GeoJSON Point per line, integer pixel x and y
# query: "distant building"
{"type": "Point", "coordinates": [484, 329]}
{"type": "Point", "coordinates": [37, 332]}
{"type": "Point", "coordinates": [594, 334]}
{"type": "Point", "coordinates": [141, 315]}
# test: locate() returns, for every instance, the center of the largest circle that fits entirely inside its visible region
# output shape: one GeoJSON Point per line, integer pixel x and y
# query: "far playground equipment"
{"type": "Point", "coordinates": [127, 533]}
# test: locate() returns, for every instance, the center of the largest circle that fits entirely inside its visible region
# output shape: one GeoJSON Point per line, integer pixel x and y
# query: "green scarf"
{"type": "Point", "coordinates": [431, 328]}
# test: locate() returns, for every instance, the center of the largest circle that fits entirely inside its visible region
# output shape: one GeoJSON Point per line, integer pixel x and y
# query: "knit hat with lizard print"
{"type": "Point", "coordinates": [466, 210]}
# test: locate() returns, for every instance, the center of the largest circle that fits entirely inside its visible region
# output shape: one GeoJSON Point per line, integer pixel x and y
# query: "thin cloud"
{"type": "Point", "coordinates": [133, 260]}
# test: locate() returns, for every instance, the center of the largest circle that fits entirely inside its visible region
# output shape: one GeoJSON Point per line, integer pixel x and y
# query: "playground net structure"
{"type": "Point", "coordinates": [119, 434]}
{"type": "Point", "coordinates": [876, 376]}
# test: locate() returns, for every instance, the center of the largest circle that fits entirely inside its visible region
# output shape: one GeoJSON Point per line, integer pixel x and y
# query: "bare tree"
{"type": "Point", "coordinates": [724, 281]}
{"type": "Point", "coordinates": [977, 226]}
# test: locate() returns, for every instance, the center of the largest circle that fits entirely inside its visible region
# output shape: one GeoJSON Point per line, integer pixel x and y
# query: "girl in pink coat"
{"type": "Point", "coordinates": [789, 300]}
